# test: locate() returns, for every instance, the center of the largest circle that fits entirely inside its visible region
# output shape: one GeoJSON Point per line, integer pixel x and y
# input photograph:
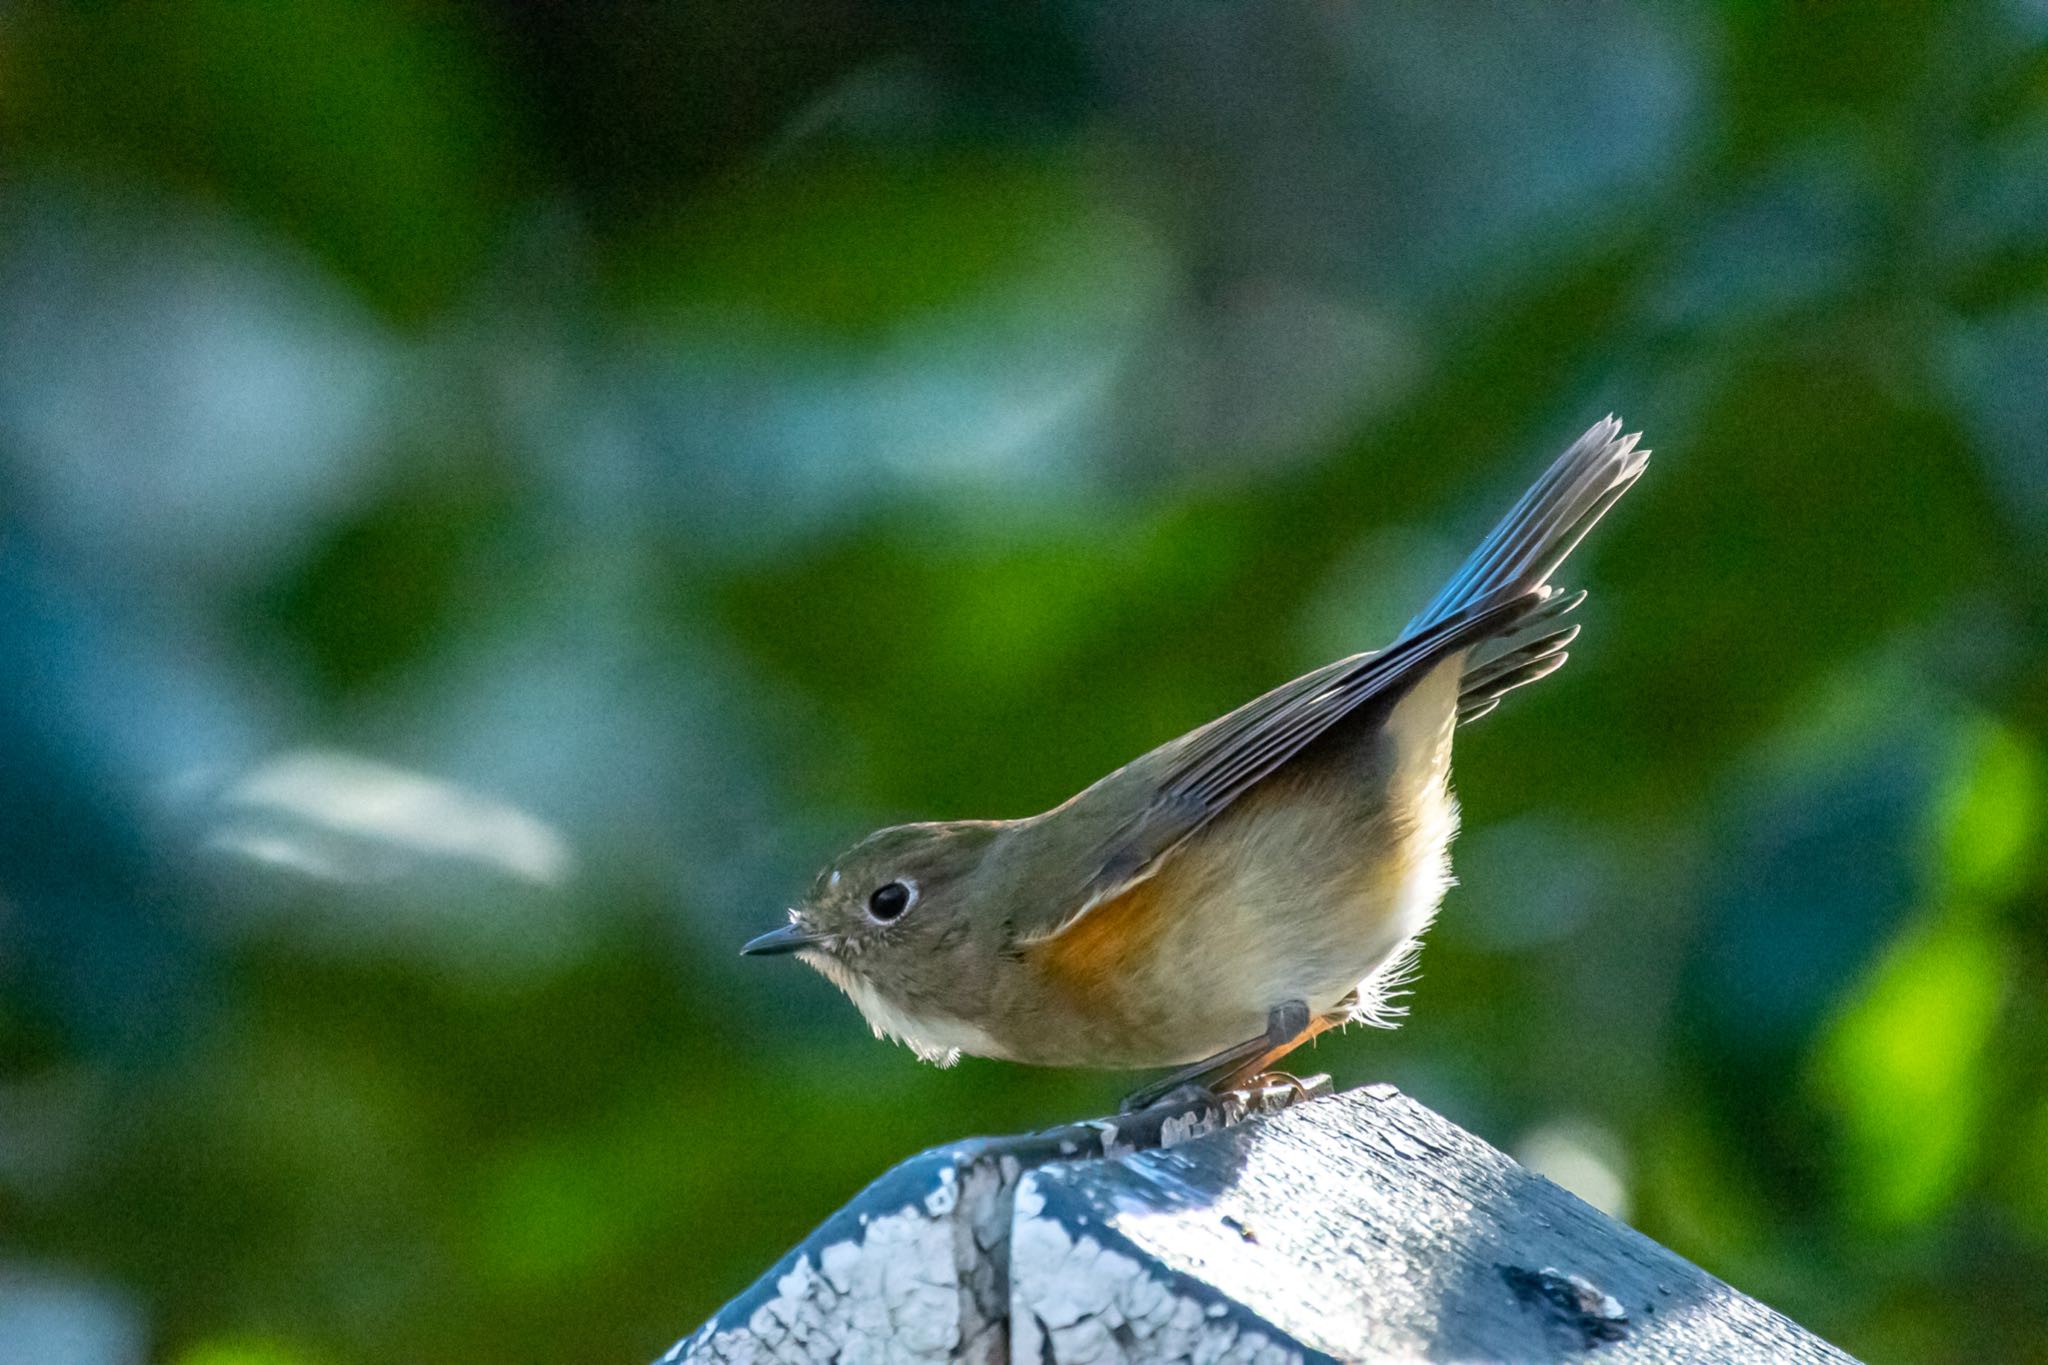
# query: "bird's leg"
{"type": "Point", "coordinates": [1255, 1067]}
{"type": "Point", "coordinates": [1287, 1026]}
{"type": "Point", "coordinates": [1283, 1035]}
{"type": "Point", "coordinates": [1191, 1077]}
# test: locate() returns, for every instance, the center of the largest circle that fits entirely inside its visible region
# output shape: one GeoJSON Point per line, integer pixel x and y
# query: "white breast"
{"type": "Point", "coordinates": [935, 1039]}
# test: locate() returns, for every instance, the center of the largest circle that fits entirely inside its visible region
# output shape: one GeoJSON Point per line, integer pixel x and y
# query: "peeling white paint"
{"type": "Point", "coordinates": [1193, 1124]}
{"type": "Point", "coordinates": [936, 1279]}
{"type": "Point", "coordinates": [1074, 1300]}
{"type": "Point", "coordinates": [946, 1197]}
{"type": "Point", "coordinates": [892, 1295]}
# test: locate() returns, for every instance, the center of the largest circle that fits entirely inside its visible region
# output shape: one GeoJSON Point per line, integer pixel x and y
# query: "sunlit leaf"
{"type": "Point", "coordinates": [244, 1351]}
{"type": "Point", "coordinates": [1903, 1069]}
{"type": "Point", "coordinates": [1989, 820]}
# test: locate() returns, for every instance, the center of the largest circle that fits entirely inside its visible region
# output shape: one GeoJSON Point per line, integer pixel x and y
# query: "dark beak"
{"type": "Point", "coordinates": [788, 939]}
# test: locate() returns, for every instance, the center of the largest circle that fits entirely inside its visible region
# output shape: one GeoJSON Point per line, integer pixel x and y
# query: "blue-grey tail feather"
{"type": "Point", "coordinates": [1522, 552]}
{"type": "Point", "coordinates": [1531, 541]}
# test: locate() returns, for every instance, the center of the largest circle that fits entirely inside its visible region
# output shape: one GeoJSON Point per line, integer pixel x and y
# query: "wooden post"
{"type": "Point", "coordinates": [1359, 1226]}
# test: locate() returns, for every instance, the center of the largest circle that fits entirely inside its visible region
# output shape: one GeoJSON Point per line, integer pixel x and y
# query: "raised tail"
{"type": "Point", "coordinates": [1521, 553]}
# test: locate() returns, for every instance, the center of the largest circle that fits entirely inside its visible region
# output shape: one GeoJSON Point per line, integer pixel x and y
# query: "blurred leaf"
{"type": "Point", "coordinates": [900, 629]}
{"type": "Point", "coordinates": [855, 249]}
{"type": "Point", "coordinates": [1688, 1175]}
{"type": "Point", "coordinates": [1847, 67]}
{"type": "Point", "coordinates": [365, 127]}
{"type": "Point", "coordinates": [1989, 820]}
{"type": "Point", "coordinates": [244, 1351]}
{"type": "Point", "coordinates": [188, 397]}
{"type": "Point", "coordinates": [378, 591]}
{"type": "Point", "coordinates": [1994, 364]}
{"type": "Point", "coordinates": [1820, 859]}
{"type": "Point", "coordinates": [1903, 1067]}
{"type": "Point", "coordinates": [1812, 513]}
{"type": "Point", "coordinates": [2025, 1183]}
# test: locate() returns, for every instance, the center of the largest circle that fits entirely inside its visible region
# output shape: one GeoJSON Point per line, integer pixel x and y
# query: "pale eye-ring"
{"type": "Point", "coordinates": [889, 900]}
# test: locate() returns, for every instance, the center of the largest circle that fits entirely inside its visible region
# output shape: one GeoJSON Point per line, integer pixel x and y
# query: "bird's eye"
{"type": "Point", "coordinates": [889, 901]}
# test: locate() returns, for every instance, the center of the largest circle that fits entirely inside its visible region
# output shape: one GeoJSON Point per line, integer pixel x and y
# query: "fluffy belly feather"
{"type": "Point", "coordinates": [1313, 890]}
{"type": "Point", "coordinates": [1272, 921]}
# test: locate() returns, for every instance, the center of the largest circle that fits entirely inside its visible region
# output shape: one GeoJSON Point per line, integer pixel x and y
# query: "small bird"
{"type": "Point", "coordinates": [1221, 900]}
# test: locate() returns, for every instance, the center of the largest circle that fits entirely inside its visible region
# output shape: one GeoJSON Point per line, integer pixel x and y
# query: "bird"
{"type": "Point", "coordinates": [1219, 901]}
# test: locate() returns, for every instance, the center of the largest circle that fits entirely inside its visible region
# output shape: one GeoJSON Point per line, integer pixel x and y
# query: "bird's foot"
{"type": "Point", "coordinates": [1263, 1094]}
{"type": "Point", "coordinates": [1287, 1026]}
{"type": "Point", "coordinates": [1279, 1089]}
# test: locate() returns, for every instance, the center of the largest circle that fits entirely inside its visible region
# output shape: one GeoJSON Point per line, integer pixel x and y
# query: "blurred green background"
{"type": "Point", "coordinates": [493, 495]}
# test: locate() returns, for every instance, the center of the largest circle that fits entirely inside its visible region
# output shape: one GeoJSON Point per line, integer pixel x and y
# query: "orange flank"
{"type": "Point", "coordinates": [1092, 959]}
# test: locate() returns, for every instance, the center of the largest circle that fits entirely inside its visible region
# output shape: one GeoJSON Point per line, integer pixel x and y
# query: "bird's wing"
{"type": "Point", "coordinates": [1501, 593]}
{"type": "Point", "coordinates": [1212, 767]}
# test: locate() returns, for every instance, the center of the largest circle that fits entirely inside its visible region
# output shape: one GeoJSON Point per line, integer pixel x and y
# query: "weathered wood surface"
{"type": "Point", "coordinates": [916, 1267]}
{"type": "Point", "coordinates": [1352, 1227]}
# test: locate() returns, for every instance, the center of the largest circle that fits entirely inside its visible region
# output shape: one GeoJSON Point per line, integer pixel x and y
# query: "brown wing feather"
{"type": "Point", "coordinates": [1502, 592]}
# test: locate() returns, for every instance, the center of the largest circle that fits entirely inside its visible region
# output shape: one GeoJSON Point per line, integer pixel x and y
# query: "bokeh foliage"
{"type": "Point", "coordinates": [494, 494]}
